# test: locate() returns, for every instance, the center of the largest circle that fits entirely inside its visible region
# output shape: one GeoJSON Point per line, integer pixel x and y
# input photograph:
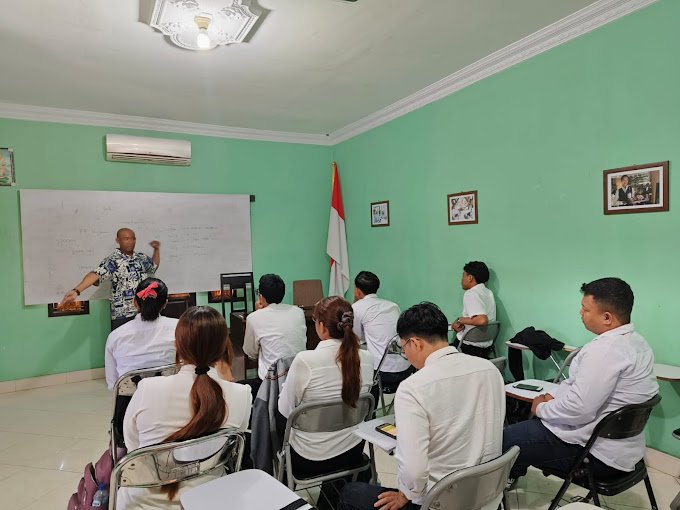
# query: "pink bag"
{"type": "Point", "coordinates": [92, 477]}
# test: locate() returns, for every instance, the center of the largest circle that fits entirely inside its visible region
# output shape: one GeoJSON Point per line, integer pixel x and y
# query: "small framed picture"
{"type": "Point", "coordinates": [7, 177]}
{"type": "Point", "coordinates": [380, 214]}
{"type": "Point", "coordinates": [636, 189]}
{"type": "Point", "coordinates": [215, 297]}
{"type": "Point", "coordinates": [462, 208]}
{"type": "Point", "coordinates": [73, 308]}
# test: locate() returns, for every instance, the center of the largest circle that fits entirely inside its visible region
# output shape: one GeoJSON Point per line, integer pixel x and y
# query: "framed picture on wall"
{"type": "Point", "coordinates": [214, 296]}
{"type": "Point", "coordinates": [462, 208]}
{"type": "Point", "coordinates": [7, 177]}
{"type": "Point", "coordinates": [73, 308]}
{"type": "Point", "coordinates": [380, 214]}
{"type": "Point", "coordinates": [636, 189]}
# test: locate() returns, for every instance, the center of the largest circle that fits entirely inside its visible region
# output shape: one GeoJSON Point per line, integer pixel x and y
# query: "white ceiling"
{"type": "Point", "coordinates": [312, 66]}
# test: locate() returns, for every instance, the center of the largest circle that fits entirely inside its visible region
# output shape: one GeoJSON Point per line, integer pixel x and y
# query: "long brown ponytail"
{"type": "Point", "coordinates": [336, 314]}
{"type": "Point", "coordinates": [201, 339]}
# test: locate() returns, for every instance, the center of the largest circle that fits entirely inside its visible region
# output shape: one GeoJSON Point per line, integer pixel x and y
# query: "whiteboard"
{"type": "Point", "coordinates": [65, 234]}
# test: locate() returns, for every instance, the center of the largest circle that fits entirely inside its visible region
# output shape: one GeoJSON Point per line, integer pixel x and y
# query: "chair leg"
{"type": "Point", "coordinates": [556, 501]}
{"type": "Point", "coordinates": [504, 501]}
{"type": "Point", "coordinates": [591, 482]}
{"type": "Point", "coordinates": [596, 499]}
{"type": "Point", "coordinates": [650, 493]}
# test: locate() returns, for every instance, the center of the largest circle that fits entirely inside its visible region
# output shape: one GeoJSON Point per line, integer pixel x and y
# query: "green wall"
{"type": "Point", "coordinates": [534, 141]}
{"type": "Point", "coordinates": [291, 183]}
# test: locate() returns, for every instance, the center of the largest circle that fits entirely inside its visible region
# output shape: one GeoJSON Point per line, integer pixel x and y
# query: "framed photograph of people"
{"type": "Point", "coordinates": [462, 208]}
{"type": "Point", "coordinates": [636, 189]}
{"type": "Point", "coordinates": [7, 177]}
{"type": "Point", "coordinates": [380, 214]}
{"type": "Point", "coordinates": [72, 308]}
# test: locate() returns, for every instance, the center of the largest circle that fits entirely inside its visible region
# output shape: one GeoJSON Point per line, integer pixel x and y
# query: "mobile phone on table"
{"type": "Point", "coordinates": [388, 429]}
{"type": "Point", "coordinates": [528, 387]}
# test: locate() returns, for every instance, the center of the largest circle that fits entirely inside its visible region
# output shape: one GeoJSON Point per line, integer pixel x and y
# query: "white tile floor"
{"type": "Point", "coordinates": [48, 435]}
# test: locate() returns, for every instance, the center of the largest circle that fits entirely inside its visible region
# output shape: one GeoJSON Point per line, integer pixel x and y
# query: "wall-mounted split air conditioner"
{"type": "Point", "coordinates": [139, 149]}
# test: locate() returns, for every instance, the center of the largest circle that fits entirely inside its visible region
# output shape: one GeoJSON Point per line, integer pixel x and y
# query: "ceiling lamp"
{"type": "Point", "coordinates": [204, 24]}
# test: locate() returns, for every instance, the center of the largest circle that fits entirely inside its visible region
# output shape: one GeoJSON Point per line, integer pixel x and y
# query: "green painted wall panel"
{"type": "Point", "coordinates": [534, 140]}
{"type": "Point", "coordinates": [289, 220]}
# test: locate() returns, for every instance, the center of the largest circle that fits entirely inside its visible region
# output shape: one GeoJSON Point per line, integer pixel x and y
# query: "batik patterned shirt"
{"type": "Point", "coordinates": [125, 273]}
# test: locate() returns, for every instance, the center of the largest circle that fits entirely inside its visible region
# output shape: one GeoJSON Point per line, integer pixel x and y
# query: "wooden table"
{"type": "Point", "coordinates": [527, 395]}
{"type": "Point", "coordinates": [667, 372]}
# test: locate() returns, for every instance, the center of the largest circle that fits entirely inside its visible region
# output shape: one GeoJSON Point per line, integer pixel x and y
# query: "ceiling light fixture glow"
{"type": "Point", "coordinates": [204, 24]}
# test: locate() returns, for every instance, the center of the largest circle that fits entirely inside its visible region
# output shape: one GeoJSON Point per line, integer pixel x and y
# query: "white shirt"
{"type": "Point", "coordinates": [375, 323]}
{"type": "Point", "coordinates": [161, 406]}
{"type": "Point", "coordinates": [276, 331]}
{"type": "Point", "coordinates": [613, 370]}
{"type": "Point", "coordinates": [313, 376]}
{"type": "Point", "coordinates": [449, 416]}
{"type": "Point", "coordinates": [478, 301]}
{"type": "Point", "coordinates": [139, 344]}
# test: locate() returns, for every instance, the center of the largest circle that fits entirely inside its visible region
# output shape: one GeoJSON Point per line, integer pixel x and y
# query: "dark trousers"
{"type": "Point", "coordinates": [122, 402]}
{"type": "Point", "coordinates": [116, 323]}
{"type": "Point", "coordinates": [362, 496]}
{"type": "Point", "coordinates": [542, 449]}
{"type": "Point", "coordinates": [390, 382]}
{"type": "Point", "coordinates": [305, 468]}
{"type": "Point", "coordinates": [472, 350]}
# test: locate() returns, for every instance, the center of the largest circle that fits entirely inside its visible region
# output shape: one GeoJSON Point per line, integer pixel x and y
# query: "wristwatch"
{"type": "Point", "coordinates": [76, 291]}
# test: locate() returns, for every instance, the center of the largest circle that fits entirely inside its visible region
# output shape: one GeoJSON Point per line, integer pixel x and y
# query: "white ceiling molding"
{"type": "Point", "coordinates": [581, 22]}
{"type": "Point", "coordinates": [560, 32]}
{"type": "Point", "coordinates": [65, 116]}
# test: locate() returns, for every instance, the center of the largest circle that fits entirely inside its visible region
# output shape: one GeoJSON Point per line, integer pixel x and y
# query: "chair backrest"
{"type": "Point", "coordinates": [126, 385]}
{"type": "Point", "coordinates": [473, 487]}
{"type": "Point", "coordinates": [392, 348]}
{"type": "Point", "coordinates": [500, 363]}
{"type": "Point", "coordinates": [565, 364]}
{"type": "Point", "coordinates": [629, 421]}
{"type": "Point", "coordinates": [162, 464]}
{"type": "Point", "coordinates": [306, 293]}
{"type": "Point", "coordinates": [329, 415]}
{"type": "Point", "coordinates": [481, 334]}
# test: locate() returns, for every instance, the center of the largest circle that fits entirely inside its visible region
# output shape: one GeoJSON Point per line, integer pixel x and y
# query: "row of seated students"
{"type": "Point", "coordinates": [449, 413]}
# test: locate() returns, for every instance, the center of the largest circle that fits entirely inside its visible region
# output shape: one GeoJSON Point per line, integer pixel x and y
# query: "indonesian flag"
{"type": "Point", "coordinates": [336, 247]}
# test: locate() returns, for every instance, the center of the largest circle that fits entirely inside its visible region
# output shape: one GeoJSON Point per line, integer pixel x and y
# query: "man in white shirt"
{"type": "Point", "coordinates": [275, 330]}
{"type": "Point", "coordinates": [375, 324]}
{"type": "Point", "coordinates": [613, 370]}
{"type": "Point", "coordinates": [449, 414]}
{"type": "Point", "coordinates": [479, 307]}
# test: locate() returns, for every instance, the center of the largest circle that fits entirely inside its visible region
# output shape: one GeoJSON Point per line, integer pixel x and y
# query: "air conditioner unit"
{"type": "Point", "coordinates": [139, 149]}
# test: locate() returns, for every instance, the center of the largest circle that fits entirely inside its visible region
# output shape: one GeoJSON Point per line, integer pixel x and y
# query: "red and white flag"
{"type": "Point", "coordinates": [336, 247]}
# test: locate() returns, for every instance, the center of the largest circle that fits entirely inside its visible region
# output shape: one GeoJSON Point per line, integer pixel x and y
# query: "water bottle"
{"type": "Point", "coordinates": [101, 497]}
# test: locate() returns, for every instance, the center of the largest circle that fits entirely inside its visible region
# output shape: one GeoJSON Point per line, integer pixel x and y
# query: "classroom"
{"type": "Point", "coordinates": [510, 114]}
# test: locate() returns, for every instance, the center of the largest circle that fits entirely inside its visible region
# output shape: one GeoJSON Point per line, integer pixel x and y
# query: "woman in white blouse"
{"type": "Point", "coordinates": [193, 403]}
{"type": "Point", "coordinates": [146, 341]}
{"type": "Point", "coordinates": [336, 368]}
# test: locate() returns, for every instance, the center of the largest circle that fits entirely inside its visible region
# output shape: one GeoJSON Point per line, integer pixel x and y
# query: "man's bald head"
{"type": "Point", "coordinates": [125, 237]}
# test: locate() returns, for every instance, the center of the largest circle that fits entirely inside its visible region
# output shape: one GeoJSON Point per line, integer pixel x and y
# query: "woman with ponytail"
{"type": "Point", "coordinates": [337, 368]}
{"type": "Point", "coordinates": [146, 341]}
{"type": "Point", "coordinates": [193, 403]}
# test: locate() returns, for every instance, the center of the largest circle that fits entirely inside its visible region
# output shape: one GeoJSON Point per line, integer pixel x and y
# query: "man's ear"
{"type": "Point", "coordinates": [608, 318]}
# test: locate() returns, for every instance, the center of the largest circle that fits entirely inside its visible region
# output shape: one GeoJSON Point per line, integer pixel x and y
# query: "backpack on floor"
{"type": "Point", "coordinates": [100, 473]}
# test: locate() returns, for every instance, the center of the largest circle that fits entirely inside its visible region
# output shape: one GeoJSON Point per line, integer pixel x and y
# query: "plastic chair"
{"type": "Point", "coordinates": [629, 421]}
{"type": "Point", "coordinates": [158, 465]}
{"type": "Point", "coordinates": [325, 416]}
{"type": "Point", "coordinates": [472, 487]}
{"type": "Point", "coordinates": [482, 334]}
{"type": "Point", "coordinates": [125, 387]}
{"type": "Point", "coordinates": [392, 348]}
{"type": "Point", "coordinates": [565, 364]}
{"type": "Point", "coordinates": [500, 364]}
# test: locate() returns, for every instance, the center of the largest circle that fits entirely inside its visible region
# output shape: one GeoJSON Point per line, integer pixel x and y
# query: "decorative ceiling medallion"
{"type": "Point", "coordinates": [204, 24]}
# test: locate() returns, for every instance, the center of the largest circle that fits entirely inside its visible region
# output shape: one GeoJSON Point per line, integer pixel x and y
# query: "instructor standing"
{"type": "Point", "coordinates": [126, 269]}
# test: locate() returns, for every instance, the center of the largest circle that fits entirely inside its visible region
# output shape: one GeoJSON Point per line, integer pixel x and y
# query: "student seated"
{"type": "Point", "coordinates": [336, 368]}
{"type": "Point", "coordinates": [613, 370]}
{"type": "Point", "coordinates": [146, 341]}
{"type": "Point", "coordinates": [479, 307]}
{"type": "Point", "coordinates": [449, 414]}
{"type": "Point", "coordinates": [275, 330]}
{"type": "Point", "coordinates": [193, 403]}
{"type": "Point", "coordinates": [375, 323]}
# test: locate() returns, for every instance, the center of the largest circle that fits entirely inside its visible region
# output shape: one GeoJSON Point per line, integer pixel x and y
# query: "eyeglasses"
{"type": "Point", "coordinates": [401, 346]}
